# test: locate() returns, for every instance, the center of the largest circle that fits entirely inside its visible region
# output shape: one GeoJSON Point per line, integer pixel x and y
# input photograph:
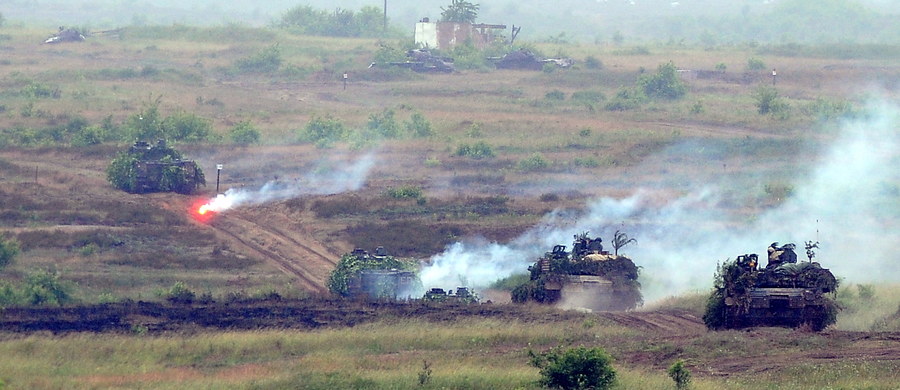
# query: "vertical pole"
{"type": "Point", "coordinates": [218, 173]}
{"type": "Point", "coordinates": [384, 27]}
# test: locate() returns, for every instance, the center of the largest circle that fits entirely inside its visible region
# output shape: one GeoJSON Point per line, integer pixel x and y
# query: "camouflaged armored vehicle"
{"type": "Point", "coordinates": [784, 293]}
{"type": "Point", "coordinates": [147, 168]}
{"type": "Point", "coordinates": [585, 278]}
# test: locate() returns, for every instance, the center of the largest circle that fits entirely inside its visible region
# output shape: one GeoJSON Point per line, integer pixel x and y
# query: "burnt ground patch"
{"type": "Point", "coordinates": [159, 317]}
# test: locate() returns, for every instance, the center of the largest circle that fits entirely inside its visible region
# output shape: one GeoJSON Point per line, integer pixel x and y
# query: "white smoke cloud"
{"type": "Point", "coordinates": [849, 202]}
{"type": "Point", "coordinates": [348, 177]}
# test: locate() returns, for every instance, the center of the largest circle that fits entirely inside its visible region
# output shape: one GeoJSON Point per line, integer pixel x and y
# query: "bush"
{"type": "Point", "coordinates": [384, 124]}
{"type": "Point", "coordinates": [244, 133]}
{"type": "Point", "coordinates": [755, 64]}
{"type": "Point", "coordinates": [535, 162]}
{"type": "Point", "coordinates": [405, 192]}
{"type": "Point", "coordinates": [575, 368]}
{"type": "Point", "coordinates": [267, 60]}
{"type": "Point", "coordinates": [418, 126]}
{"type": "Point", "coordinates": [664, 84]}
{"type": "Point", "coordinates": [588, 96]}
{"type": "Point", "coordinates": [555, 95]}
{"type": "Point", "coordinates": [180, 293]}
{"type": "Point", "coordinates": [477, 151]}
{"type": "Point", "coordinates": [184, 126]}
{"type": "Point", "coordinates": [680, 375]}
{"type": "Point", "coordinates": [627, 99]}
{"type": "Point", "coordinates": [592, 62]}
{"type": "Point", "coordinates": [768, 101]}
{"type": "Point", "coordinates": [323, 130]}
{"type": "Point", "coordinates": [45, 288]}
{"type": "Point", "coordinates": [9, 248]}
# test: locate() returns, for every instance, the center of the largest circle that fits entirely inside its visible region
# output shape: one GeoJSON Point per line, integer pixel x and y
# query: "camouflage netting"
{"type": "Point", "coordinates": [620, 270]}
{"type": "Point", "coordinates": [799, 275]}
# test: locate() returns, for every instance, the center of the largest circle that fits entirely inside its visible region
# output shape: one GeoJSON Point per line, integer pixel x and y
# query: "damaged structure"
{"type": "Point", "coordinates": [446, 35]}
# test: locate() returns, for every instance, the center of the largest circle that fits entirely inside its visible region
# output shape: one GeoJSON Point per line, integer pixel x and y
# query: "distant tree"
{"type": "Point", "coordinates": [460, 11]}
{"type": "Point", "coordinates": [664, 84]}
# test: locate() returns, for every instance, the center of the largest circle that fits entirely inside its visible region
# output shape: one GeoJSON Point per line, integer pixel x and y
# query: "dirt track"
{"type": "Point", "coordinates": [296, 255]}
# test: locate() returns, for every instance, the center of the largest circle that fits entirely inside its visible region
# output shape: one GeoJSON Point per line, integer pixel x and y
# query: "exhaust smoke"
{"type": "Point", "coordinates": [349, 177]}
{"type": "Point", "coordinates": [849, 201]}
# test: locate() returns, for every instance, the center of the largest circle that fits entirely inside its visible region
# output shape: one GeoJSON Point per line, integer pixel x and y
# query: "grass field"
{"type": "Point", "coordinates": [554, 147]}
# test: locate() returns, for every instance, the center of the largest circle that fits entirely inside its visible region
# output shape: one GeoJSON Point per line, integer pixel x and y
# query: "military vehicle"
{"type": "Point", "coordinates": [784, 293]}
{"type": "Point", "coordinates": [585, 278]}
{"type": "Point", "coordinates": [462, 295]}
{"type": "Point", "coordinates": [363, 275]}
{"type": "Point", "coordinates": [65, 35]}
{"type": "Point", "coordinates": [147, 168]}
{"type": "Point", "coordinates": [424, 61]}
{"type": "Point", "coordinates": [526, 60]}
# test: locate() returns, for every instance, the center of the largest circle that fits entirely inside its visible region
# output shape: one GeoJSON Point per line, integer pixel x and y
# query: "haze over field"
{"type": "Point", "coordinates": [844, 203]}
{"type": "Point", "coordinates": [709, 22]}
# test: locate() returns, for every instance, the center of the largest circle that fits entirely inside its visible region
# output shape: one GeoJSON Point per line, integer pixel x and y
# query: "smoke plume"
{"type": "Point", "coordinates": [849, 201]}
{"type": "Point", "coordinates": [348, 177]}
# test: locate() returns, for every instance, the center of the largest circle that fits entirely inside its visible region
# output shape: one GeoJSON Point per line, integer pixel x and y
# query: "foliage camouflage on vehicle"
{"type": "Point", "coordinates": [374, 276]}
{"type": "Point", "coordinates": [784, 293]}
{"type": "Point", "coordinates": [600, 280]}
{"type": "Point", "coordinates": [144, 168]}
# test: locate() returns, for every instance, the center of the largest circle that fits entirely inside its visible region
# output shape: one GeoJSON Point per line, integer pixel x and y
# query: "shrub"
{"type": "Point", "coordinates": [575, 368]}
{"type": "Point", "coordinates": [721, 67]}
{"type": "Point", "coordinates": [45, 288]}
{"type": "Point", "coordinates": [384, 124]}
{"type": "Point", "coordinates": [588, 96]}
{"type": "Point", "coordinates": [267, 60]}
{"type": "Point", "coordinates": [680, 375]}
{"type": "Point", "coordinates": [405, 192]}
{"type": "Point", "coordinates": [180, 293]}
{"type": "Point", "coordinates": [535, 162]}
{"type": "Point", "coordinates": [627, 99]}
{"type": "Point", "coordinates": [592, 62]}
{"type": "Point", "coordinates": [326, 130]}
{"type": "Point", "coordinates": [244, 133]}
{"type": "Point", "coordinates": [418, 126]}
{"type": "Point", "coordinates": [184, 126]}
{"type": "Point", "coordinates": [9, 248]}
{"type": "Point", "coordinates": [477, 151]}
{"type": "Point", "coordinates": [555, 95]}
{"type": "Point", "coordinates": [755, 64]}
{"type": "Point", "coordinates": [768, 101]}
{"type": "Point", "coordinates": [697, 107]}
{"type": "Point", "coordinates": [664, 84]}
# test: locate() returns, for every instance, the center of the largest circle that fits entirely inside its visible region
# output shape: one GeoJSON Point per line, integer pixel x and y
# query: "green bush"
{"type": "Point", "coordinates": [45, 288]}
{"type": "Point", "coordinates": [679, 374]}
{"type": "Point", "coordinates": [9, 248]}
{"type": "Point", "coordinates": [184, 126]}
{"type": "Point", "coordinates": [384, 124]}
{"type": "Point", "coordinates": [535, 162]}
{"type": "Point", "coordinates": [627, 99]}
{"type": "Point", "coordinates": [418, 126]}
{"type": "Point", "coordinates": [555, 95]}
{"type": "Point", "coordinates": [665, 84]}
{"type": "Point", "coordinates": [769, 103]}
{"type": "Point", "coordinates": [405, 192]}
{"type": "Point", "coordinates": [575, 368]}
{"type": "Point", "coordinates": [588, 96]}
{"type": "Point", "coordinates": [266, 60]}
{"type": "Point", "coordinates": [755, 64]}
{"type": "Point", "coordinates": [244, 133]}
{"type": "Point", "coordinates": [180, 293]}
{"type": "Point", "coordinates": [323, 130]}
{"type": "Point", "coordinates": [479, 150]}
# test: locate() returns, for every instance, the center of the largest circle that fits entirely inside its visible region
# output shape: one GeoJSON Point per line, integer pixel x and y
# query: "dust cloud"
{"type": "Point", "coordinates": [849, 203]}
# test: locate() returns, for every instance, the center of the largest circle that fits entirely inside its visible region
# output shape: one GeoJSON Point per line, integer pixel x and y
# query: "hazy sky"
{"type": "Point", "coordinates": [583, 20]}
